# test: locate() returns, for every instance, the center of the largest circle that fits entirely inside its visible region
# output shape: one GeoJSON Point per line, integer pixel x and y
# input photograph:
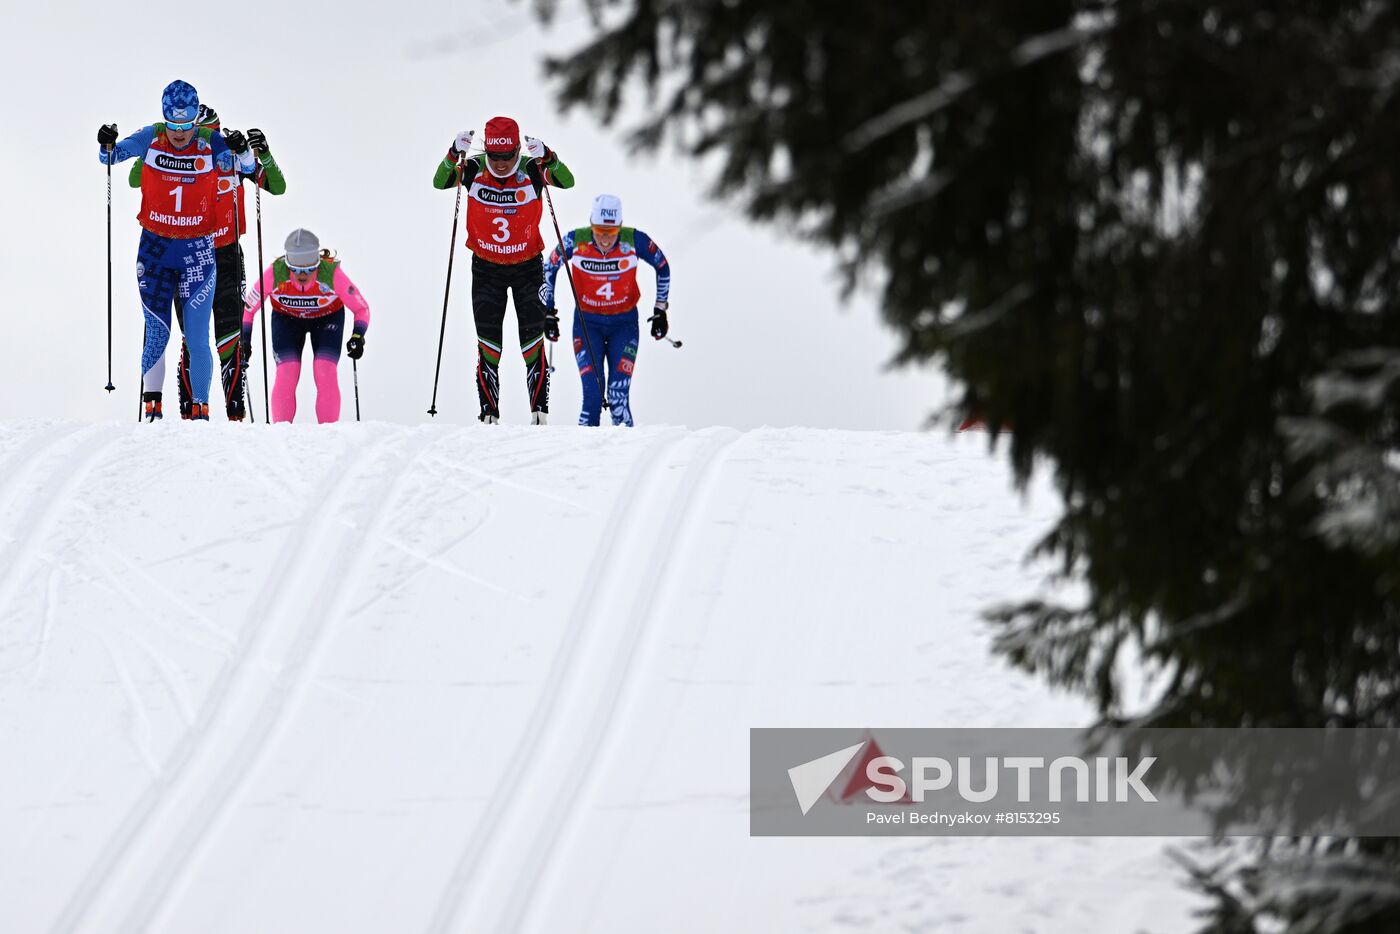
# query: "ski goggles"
{"type": "Point", "coordinates": [503, 156]}
{"type": "Point", "coordinates": [601, 231]}
{"type": "Point", "coordinates": [305, 270]}
{"type": "Point", "coordinates": [180, 127]}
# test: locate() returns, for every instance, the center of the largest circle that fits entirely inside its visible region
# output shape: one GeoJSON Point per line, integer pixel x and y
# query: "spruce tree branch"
{"type": "Point", "coordinates": [955, 85]}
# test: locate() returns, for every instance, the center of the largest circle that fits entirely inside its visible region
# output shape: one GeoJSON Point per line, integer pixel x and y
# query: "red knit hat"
{"type": "Point", "coordinates": [502, 134]}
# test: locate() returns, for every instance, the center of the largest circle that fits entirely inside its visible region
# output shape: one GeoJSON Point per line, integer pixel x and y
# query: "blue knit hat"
{"type": "Point", "coordinates": [179, 103]}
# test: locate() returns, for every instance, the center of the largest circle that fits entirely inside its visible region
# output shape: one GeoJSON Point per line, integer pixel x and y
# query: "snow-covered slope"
{"type": "Point", "coordinates": [386, 678]}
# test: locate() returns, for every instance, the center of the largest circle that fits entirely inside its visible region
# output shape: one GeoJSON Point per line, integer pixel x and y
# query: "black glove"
{"type": "Point", "coordinates": [245, 351]}
{"type": "Point", "coordinates": [551, 324]}
{"type": "Point", "coordinates": [236, 142]}
{"type": "Point", "coordinates": [206, 116]}
{"type": "Point", "coordinates": [258, 141]}
{"type": "Point", "coordinates": [355, 347]}
{"type": "Point", "coordinates": [107, 136]}
{"type": "Point", "coordinates": [659, 327]}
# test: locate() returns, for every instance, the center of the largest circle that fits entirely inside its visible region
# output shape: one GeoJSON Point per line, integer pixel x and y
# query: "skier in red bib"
{"type": "Point", "coordinates": [604, 258]}
{"type": "Point", "coordinates": [231, 207]}
{"type": "Point", "coordinates": [504, 205]}
{"type": "Point", "coordinates": [309, 293]}
{"type": "Point", "coordinates": [179, 188]}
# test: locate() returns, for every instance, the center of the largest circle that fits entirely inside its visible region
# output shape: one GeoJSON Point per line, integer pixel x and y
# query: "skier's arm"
{"type": "Point", "coordinates": [556, 172]}
{"type": "Point", "coordinates": [134, 178]}
{"type": "Point", "coordinates": [244, 162]}
{"type": "Point", "coordinates": [134, 145]}
{"type": "Point", "coordinates": [268, 175]}
{"type": "Point", "coordinates": [551, 267]}
{"type": "Point", "coordinates": [650, 253]}
{"type": "Point", "coordinates": [253, 300]}
{"type": "Point", "coordinates": [446, 175]}
{"type": "Point", "coordinates": [345, 290]}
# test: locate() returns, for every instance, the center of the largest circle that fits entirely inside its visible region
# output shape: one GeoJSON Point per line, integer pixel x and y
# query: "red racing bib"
{"type": "Point", "coordinates": [229, 212]}
{"type": "Point", "coordinates": [178, 189]}
{"type": "Point", "coordinates": [317, 300]}
{"type": "Point", "coordinates": [606, 282]}
{"type": "Point", "coordinates": [503, 217]}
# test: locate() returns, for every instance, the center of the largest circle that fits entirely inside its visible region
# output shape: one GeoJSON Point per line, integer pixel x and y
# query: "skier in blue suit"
{"type": "Point", "coordinates": [604, 258]}
{"type": "Point", "coordinates": [179, 188]}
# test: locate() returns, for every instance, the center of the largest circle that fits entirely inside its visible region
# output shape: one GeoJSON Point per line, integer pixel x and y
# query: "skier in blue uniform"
{"type": "Point", "coordinates": [179, 188]}
{"type": "Point", "coordinates": [604, 258]}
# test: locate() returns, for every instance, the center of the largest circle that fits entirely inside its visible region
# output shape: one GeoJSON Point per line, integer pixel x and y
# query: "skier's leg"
{"type": "Point", "coordinates": [284, 390]}
{"type": "Point", "coordinates": [182, 375]}
{"type": "Point", "coordinates": [526, 281]}
{"type": "Point", "coordinates": [622, 359]}
{"type": "Point", "coordinates": [288, 338]}
{"type": "Point", "coordinates": [489, 310]}
{"type": "Point", "coordinates": [197, 284]}
{"type": "Point", "coordinates": [592, 399]}
{"type": "Point", "coordinates": [228, 325]}
{"type": "Point", "coordinates": [326, 333]}
{"type": "Point", "coordinates": [157, 283]}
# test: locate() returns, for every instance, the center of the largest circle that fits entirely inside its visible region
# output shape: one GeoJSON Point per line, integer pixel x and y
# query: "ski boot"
{"type": "Point", "coordinates": [236, 411]}
{"type": "Point", "coordinates": [539, 418]}
{"type": "Point", "coordinates": [489, 416]}
{"type": "Point", "coordinates": [152, 400]}
{"type": "Point", "coordinates": [199, 412]}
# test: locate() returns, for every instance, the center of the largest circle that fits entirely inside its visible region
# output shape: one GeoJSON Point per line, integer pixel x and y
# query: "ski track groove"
{"type": "Point", "coordinates": [139, 730]}
{"type": "Point", "coordinates": [604, 584]}
{"type": "Point", "coordinates": [487, 478]}
{"type": "Point", "coordinates": [332, 597]}
{"type": "Point", "coordinates": [227, 684]}
{"type": "Point", "coordinates": [435, 558]}
{"type": "Point", "coordinates": [217, 641]}
{"type": "Point", "coordinates": [46, 626]}
{"type": "Point", "coordinates": [449, 901]}
{"type": "Point", "coordinates": [168, 673]}
{"type": "Point", "coordinates": [43, 511]}
{"type": "Point", "coordinates": [534, 890]}
{"type": "Point", "coordinates": [243, 537]}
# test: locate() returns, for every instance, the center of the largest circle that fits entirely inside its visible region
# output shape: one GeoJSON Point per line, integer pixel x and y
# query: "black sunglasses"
{"type": "Point", "coordinates": [503, 156]}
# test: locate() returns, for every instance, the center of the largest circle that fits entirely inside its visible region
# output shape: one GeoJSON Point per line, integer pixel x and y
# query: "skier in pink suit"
{"type": "Point", "coordinates": [309, 293]}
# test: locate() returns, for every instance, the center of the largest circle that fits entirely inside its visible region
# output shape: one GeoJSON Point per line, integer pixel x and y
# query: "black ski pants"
{"type": "Point", "coordinates": [490, 282]}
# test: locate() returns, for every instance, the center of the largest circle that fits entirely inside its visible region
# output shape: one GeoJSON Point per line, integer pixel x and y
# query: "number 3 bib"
{"type": "Point", "coordinates": [503, 218]}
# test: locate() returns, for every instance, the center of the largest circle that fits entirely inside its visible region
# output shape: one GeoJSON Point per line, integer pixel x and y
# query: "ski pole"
{"type": "Point", "coordinates": [111, 151]}
{"type": "Point", "coordinates": [237, 235]}
{"type": "Point", "coordinates": [676, 344]}
{"type": "Point", "coordinates": [578, 308]}
{"type": "Point", "coordinates": [355, 368]}
{"type": "Point", "coordinates": [262, 297]}
{"type": "Point", "coordinates": [447, 291]}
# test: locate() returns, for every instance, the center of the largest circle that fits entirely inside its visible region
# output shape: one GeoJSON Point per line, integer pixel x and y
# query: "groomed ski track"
{"type": "Point", "coordinates": [378, 677]}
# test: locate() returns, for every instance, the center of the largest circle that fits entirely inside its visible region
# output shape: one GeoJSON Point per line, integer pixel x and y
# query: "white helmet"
{"type": "Point", "coordinates": [607, 211]}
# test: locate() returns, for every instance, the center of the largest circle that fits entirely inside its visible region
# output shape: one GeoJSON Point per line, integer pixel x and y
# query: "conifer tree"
{"type": "Point", "coordinates": [1154, 245]}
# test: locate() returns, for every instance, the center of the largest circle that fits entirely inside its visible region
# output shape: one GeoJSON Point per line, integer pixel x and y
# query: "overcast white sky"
{"type": "Point", "coordinates": [359, 101]}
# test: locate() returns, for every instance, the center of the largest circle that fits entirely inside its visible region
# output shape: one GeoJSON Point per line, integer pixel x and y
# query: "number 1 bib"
{"type": "Point", "coordinates": [178, 188]}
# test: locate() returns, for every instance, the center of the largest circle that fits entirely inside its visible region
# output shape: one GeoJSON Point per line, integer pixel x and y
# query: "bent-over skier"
{"type": "Point", "coordinates": [309, 293]}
